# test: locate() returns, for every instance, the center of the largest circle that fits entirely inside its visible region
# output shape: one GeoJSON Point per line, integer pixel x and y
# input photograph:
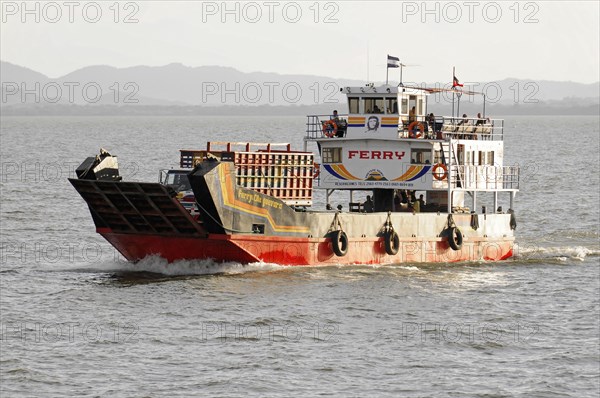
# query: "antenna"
{"type": "Point", "coordinates": [367, 61]}
{"type": "Point", "coordinates": [402, 65]}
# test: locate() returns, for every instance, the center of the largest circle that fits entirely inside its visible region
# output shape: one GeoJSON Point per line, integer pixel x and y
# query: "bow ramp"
{"type": "Point", "coordinates": [136, 208]}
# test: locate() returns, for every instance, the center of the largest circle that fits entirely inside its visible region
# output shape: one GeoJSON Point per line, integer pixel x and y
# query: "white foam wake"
{"type": "Point", "coordinates": [561, 253]}
{"type": "Point", "coordinates": [159, 265]}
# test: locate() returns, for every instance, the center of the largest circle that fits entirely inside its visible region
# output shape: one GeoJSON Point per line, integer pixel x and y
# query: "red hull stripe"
{"type": "Point", "coordinates": [303, 251]}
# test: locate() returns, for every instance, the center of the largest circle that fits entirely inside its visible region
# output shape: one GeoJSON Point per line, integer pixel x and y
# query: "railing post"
{"type": "Point", "coordinates": [495, 201]}
{"type": "Point", "coordinates": [450, 175]}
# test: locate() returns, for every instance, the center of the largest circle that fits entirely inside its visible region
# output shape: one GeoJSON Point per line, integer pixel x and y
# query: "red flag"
{"type": "Point", "coordinates": [456, 83]}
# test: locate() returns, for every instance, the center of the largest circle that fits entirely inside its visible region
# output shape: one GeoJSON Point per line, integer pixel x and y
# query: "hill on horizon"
{"type": "Point", "coordinates": [177, 85]}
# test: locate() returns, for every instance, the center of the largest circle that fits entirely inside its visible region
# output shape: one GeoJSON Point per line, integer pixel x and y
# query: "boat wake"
{"type": "Point", "coordinates": [558, 253]}
{"type": "Point", "coordinates": [158, 265]}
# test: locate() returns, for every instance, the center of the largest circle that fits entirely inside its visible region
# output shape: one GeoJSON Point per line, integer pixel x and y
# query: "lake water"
{"type": "Point", "coordinates": [76, 320]}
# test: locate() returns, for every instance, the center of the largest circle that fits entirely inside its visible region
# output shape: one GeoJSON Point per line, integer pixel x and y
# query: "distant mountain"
{"type": "Point", "coordinates": [214, 86]}
{"type": "Point", "coordinates": [15, 73]}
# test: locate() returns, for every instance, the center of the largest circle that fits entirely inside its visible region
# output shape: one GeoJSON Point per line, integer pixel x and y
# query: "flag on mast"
{"type": "Point", "coordinates": [456, 83]}
{"type": "Point", "coordinates": [393, 62]}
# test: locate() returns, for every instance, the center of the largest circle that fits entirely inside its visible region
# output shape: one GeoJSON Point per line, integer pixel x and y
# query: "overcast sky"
{"type": "Point", "coordinates": [486, 41]}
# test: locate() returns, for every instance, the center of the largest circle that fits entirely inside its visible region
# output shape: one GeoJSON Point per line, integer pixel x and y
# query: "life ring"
{"type": "Point", "coordinates": [411, 128]}
{"type": "Point", "coordinates": [330, 128]}
{"type": "Point", "coordinates": [392, 243]}
{"type": "Point", "coordinates": [455, 238]}
{"type": "Point", "coordinates": [316, 170]}
{"type": "Point", "coordinates": [439, 176]}
{"type": "Point", "coordinates": [339, 243]}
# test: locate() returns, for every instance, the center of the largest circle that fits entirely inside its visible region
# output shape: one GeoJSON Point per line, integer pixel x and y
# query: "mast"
{"type": "Point", "coordinates": [453, 91]}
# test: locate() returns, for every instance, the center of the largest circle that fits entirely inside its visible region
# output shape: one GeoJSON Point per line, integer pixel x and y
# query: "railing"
{"type": "Point", "coordinates": [473, 128]}
{"type": "Point", "coordinates": [269, 168]}
{"type": "Point", "coordinates": [484, 177]}
{"type": "Point", "coordinates": [314, 125]}
{"type": "Point", "coordinates": [188, 158]}
{"type": "Point", "coordinates": [444, 127]}
{"type": "Point", "coordinates": [439, 127]}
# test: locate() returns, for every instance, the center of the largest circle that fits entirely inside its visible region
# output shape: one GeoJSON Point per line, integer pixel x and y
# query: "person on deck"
{"type": "Point", "coordinates": [340, 123]}
{"type": "Point", "coordinates": [480, 120]}
{"type": "Point", "coordinates": [368, 205]}
{"type": "Point", "coordinates": [421, 201]}
{"type": "Point", "coordinates": [416, 206]}
{"type": "Point", "coordinates": [464, 122]}
{"type": "Point", "coordinates": [404, 195]}
{"type": "Point", "coordinates": [397, 201]}
{"type": "Point", "coordinates": [335, 117]}
{"type": "Point", "coordinates": [412, 115]}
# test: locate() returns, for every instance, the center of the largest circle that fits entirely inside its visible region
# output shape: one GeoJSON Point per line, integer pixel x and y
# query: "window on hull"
{"type": "Point", "coordinates": [331, 155]}
{"type": "Point", "coordinates": [420, 156]}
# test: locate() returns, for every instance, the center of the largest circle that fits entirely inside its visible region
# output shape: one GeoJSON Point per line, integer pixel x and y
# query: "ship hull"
{"type": "Point", "coordinates": [304, 251]}
{"type": "Point", "coordinates": [245, 226]}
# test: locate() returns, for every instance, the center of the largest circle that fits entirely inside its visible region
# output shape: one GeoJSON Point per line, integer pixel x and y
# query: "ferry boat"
{"type": "Point", "coordinates": [252, 202]}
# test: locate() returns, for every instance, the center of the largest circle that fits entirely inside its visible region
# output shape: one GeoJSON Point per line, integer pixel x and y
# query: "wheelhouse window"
{"type": "Point", "coordinates": [179, 180]}
{"type": "Point", "coordinates": [331, 155]}
{"type": "Point", "coordinates": [404, 106]}
{"type": "Point", "coordinates": [420, 156]}
{"type": "Point", "coordinates": [392, 106]}
{"type": "Point", "coordinates": [471, 158]}
{"type": "Point", "coordinates": [374, 105]}
{"type": "Point", "coordinates": [486, 158]}
{"type": "Point", "coordinates": [354, 105]}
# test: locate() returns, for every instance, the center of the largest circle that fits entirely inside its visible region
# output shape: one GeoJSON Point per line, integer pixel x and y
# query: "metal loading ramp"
{"type": "Point", "coordinates": [136, 208]}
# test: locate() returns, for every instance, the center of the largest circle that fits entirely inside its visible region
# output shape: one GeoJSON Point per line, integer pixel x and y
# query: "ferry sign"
{"type": "Point", "coordinates": [371, 163]}
{"type": "Point", "coordinates": [383, 155]}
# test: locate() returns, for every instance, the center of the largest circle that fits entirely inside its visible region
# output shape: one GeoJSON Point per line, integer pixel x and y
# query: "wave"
{"type": "Point", "coordinates": [560, 253]}
{"type": "Point", "coordinates": [158, 265]}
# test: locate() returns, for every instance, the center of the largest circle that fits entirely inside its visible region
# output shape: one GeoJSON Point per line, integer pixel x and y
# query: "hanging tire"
{"type": "Point", "coordinates": [392, 243]}
{"type": "Point", "coordinates": [339, 243]}
{"type": "Point", "coordinates": [455, 238]}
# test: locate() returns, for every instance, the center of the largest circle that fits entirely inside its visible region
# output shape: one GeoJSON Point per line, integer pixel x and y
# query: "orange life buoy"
{"type": "Point", "coordinates": [316, 170]}
{"type": "Point", "coordinates": [411, 128]}
{"type": "Point", "coordinates": [439, 176]}
{"type": "Point", "coordinates": [330, 128]}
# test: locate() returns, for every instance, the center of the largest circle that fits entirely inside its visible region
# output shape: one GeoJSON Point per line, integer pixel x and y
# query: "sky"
{"type": "Point", "coordinates": [484, 40]}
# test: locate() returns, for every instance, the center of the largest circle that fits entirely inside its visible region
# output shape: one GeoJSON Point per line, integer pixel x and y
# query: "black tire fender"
{"type": "Point", "coordinates": [392, 243]}
{"type": "Point", "coordinates": [339, 243]}
{"type": "Point", "coordinates": [455, 238]}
